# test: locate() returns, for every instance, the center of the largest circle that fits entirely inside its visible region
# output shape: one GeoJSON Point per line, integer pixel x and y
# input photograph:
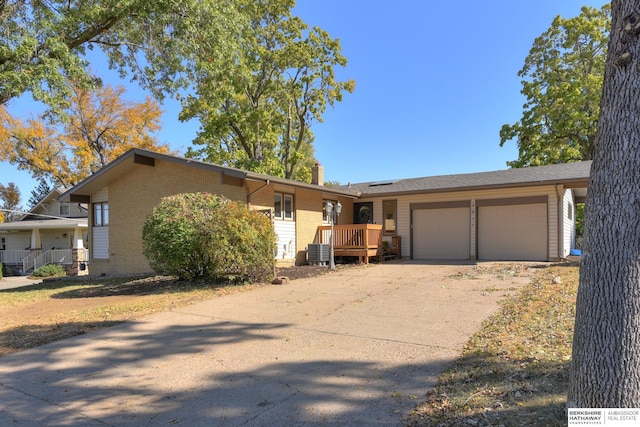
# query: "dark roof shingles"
{"type": "Point", "coordinates": [508, 177]}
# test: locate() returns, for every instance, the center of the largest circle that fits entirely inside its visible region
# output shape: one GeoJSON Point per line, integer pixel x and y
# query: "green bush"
{"type": "Point", "coordinates": [202, 236]}
{"type": "Point", "coordinates": [50, 270]}
{"type": "Point", "coordinates": [1, 270]}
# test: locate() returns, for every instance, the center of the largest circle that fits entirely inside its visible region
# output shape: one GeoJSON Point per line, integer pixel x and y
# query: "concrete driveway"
{"type": "Point", "coordinates": [359, 346]}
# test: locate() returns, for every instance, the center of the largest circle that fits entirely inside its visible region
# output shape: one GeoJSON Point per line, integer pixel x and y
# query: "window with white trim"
{"type": "Point", "coordinates": [283, 206]}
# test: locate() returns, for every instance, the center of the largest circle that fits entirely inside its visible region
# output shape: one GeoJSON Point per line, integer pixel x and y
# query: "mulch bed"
{"type": "Point", "coordinates": [306, 271]}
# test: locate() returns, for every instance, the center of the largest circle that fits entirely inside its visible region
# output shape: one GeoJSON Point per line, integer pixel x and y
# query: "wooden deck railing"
{"type": "Point", "coordinates": [361, 240]}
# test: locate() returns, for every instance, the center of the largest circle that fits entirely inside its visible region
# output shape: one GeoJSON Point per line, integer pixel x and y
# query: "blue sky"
{"type": "Point", "coordinates": [435, 82]}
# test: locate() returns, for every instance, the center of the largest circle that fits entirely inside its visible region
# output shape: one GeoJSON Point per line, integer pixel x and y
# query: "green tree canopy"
{"type": "Point", "coordinates": [39, 193]}
{"type": "Point", "coordinates": [562, 81]}
{"type": "Point", "coordinates": [43, 44]}
{"type": "Point", "coordinates": [256, 110]}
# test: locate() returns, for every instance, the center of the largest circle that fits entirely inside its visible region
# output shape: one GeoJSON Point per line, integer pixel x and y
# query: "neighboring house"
{"type": "Point", "coordinates": [517, 214]}
{"type": "Point", "coordinates": [514, 214]}
{"type": "Point", "coordinates": [52, 232]}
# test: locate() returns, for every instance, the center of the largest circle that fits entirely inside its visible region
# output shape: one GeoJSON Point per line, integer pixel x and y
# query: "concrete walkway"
{"type": "Point", "coordinates": [12, 282]}
{"type": "Point", "coordinates": [360, 346]}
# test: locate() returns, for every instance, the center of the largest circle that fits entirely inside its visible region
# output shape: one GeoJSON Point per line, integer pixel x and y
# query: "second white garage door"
{"type": "Point", "coordinates": [441, 233]}
{"type": "Point", "coordinates": [513, 232]}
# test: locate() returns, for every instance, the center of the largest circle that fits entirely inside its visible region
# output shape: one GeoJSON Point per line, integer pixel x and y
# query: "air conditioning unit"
{"type": "Point", "coordinates": [317, 253]}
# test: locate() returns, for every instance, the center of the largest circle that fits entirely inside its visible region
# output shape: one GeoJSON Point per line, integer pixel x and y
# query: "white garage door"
{"type": "Point", "coordinates": [513, 232]}
{"type": "Point", "coordinates": [441, 233]}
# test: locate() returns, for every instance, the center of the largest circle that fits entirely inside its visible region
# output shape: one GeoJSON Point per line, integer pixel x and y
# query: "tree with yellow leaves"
{"type": "Point", "coordinates": [9, 202]}
{"type": "Point", "coordinates": [99, 125]}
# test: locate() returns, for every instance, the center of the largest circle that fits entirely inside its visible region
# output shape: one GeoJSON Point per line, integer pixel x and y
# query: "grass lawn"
{"type": "Point", "coordinates": [514, 371]}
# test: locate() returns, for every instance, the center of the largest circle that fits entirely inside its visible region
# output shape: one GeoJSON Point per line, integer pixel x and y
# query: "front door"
{"type": "Point", "coordinates": [363, 213]}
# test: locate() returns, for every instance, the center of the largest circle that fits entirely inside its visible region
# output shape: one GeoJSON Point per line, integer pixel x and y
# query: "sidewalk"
{"type": "Point", "coordinates": [12, 282]}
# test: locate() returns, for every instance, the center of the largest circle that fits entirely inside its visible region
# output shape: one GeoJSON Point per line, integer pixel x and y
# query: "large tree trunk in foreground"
{"type": "Point", "coordinates": [605, 371]}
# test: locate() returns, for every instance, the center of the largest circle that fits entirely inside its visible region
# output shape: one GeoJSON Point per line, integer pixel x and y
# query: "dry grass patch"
{"type": "Point", "coordinates": [514, 371]}
{"type": "Point", "coordinates": [61, 308]}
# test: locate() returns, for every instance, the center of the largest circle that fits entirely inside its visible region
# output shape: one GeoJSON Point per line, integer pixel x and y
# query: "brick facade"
{"type": "Point", "coordinates": [132, 197]}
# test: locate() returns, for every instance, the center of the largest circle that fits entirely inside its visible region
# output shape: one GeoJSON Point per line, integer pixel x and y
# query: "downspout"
{"type": "Point", "coordinates": [560, 222]}
{"type": "Point", "coordinates": [266, 184]}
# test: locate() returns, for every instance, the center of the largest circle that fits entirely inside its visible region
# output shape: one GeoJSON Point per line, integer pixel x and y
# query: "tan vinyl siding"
{"type": "Point", "coordinates": [473, 229]}
{"type": "Point", "coordinates": [404, 212]}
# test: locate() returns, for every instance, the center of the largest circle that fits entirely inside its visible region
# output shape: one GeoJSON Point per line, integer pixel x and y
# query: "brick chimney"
{"type": "Point", "coordinates": [317, 174]}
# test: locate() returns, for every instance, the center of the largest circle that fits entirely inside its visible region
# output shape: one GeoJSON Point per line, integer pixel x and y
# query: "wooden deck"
{"type": "Point", "coordinates": [361, 240]}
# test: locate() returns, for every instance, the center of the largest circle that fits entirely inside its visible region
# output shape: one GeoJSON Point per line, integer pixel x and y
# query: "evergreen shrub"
{"type": "Point", "coordinates": [50, 270]}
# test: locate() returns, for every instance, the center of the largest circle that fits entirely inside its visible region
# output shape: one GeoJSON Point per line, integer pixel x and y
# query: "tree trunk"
{"type": "Point", "coordinates": [605, 371]}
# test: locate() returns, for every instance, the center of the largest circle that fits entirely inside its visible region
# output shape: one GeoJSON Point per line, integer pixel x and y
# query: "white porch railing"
{"type": "Point", "coordinates": [53, 256]}
{"type": "Point", "coordinates": [13, 256]}
{"type": "Point", "coordinates": [36, 259]}
{"type": "Point", "coordinates": [27, 262]}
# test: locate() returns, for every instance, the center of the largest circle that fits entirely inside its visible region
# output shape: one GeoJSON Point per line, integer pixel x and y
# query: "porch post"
{"type": "Point", "coordinates": [78, 243]}
{"type": "Point", "coordinates": [36, 242]}
{"type": "Point", "coordinates": [77, 255]}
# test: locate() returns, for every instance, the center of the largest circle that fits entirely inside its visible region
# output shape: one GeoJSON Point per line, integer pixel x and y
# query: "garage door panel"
{"type": "Point", "coordinates": [441, 233]}
{"type": "Point", "coordinates": [513, 232]}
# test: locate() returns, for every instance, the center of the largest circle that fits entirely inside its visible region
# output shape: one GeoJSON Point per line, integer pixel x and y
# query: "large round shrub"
{"type": "Point", "coordinates": [202, 236]}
